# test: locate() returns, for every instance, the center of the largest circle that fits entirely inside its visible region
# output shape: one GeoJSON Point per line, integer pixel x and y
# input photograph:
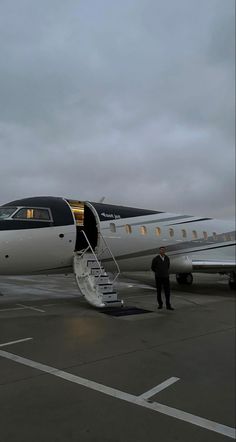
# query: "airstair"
{"type": "Point", "coordinates": [92, 279]}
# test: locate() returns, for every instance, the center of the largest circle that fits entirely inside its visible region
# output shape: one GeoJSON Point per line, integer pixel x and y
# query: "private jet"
{"type": "Point", "coordinates": [94, 240]}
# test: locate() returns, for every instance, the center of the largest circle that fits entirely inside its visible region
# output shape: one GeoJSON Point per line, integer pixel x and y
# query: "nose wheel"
{"type": "Point", "coordinates": [184, 278]}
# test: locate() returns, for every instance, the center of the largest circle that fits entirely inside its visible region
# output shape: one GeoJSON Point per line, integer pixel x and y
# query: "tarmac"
{"type": "Point", "coordinates": [69, 372]}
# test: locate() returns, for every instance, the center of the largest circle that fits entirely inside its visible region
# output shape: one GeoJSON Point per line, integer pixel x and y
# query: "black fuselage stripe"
{"type": "Point", "coordinates": [205, 249]}
{"type": "Point", "coordinates": [192, 221]}
{"type": "Point", "coordinates": [183, 250]}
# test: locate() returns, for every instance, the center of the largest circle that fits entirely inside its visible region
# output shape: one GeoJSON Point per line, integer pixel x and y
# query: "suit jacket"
{"type": "Point", "coordinates": [161, 267]}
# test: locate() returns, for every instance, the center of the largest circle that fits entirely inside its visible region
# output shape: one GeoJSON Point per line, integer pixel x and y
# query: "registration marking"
{"type": "Point", "coordinates": [154, 406]}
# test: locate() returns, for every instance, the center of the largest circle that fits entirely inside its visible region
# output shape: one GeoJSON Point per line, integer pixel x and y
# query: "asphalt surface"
{"type": "Point", "coordinates": [69, 372]}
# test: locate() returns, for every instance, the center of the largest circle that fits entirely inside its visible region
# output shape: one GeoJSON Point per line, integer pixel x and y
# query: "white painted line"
{"type": "Point", "coordinates": [15, 342]}
{"type": "Point", "coordinates": [31, 308]}
{"type": "Point", "coordinates": [10, 309]}
{"type": "Point", "coordinates": [155, 406]}
{"type": "Point", "coordinates": [158, 388]}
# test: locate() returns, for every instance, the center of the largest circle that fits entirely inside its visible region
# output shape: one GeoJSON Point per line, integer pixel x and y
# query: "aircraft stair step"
{"type": "Point", "coordinates": [111, 296]}
{"type": "Point", "coordinates": [116, 303]}
{"type": "Point", "coordinates": [94, 282]}
{"type": "Point", "coordinates": [102, 279]}
{"type": "Point", "coordinates": [97, 271]}
{"type": "Point", "coordinates": [104, 288]}
{"type": "Point", "coordinates": [92, 264]}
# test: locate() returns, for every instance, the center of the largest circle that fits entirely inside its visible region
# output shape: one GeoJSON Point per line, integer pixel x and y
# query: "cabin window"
{"type": "Point", "coordinates": [184, 233]}
{"type": "Point", "coordinates": [143, 230]}
{"type": "Point", "coordinates": [35, 214]}
{"type": "Point", "coordinates": [128, 228]}
{"type": "Point", "coordinates": [194, 234]}
{"type": "Point", "coordinates": [171, 232]}
{"type": "Point", "coordinates": [158, 231]}
{"type": "Point", "coordinates": [205, 235]}
{"type": "Point", "coordinates": [214, 236]}
{"type": "Point", "coordinates": [6, 212]}
{"type": "Point", "coordinates": [113, 227]}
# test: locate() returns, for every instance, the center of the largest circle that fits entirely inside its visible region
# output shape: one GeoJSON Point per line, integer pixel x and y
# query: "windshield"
{"type": "Point", "coordinates": [5, 212]}
{"type": "Point", "coordinates": [36, 214]}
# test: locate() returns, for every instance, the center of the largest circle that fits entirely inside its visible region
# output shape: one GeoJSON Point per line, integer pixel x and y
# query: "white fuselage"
{"type": "Point", "coordinates": [134, 240]}
{"type": "Point", "coordinates": [37, 250]}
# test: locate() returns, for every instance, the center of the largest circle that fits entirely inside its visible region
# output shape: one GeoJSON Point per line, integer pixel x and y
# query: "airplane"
{"type": "Point", "coordinates": [46, 235]}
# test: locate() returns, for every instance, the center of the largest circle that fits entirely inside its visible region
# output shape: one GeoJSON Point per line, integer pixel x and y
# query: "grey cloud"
{"type": "Point", "coordinates": [133, 100]}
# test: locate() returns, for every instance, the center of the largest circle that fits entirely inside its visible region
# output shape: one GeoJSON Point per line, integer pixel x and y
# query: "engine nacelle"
{"type": "Point", "coordinates": [180, 264]}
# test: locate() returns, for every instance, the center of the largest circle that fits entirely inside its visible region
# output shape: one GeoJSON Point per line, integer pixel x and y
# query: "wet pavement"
{"type": "Point", "coordinates": [69, 372]}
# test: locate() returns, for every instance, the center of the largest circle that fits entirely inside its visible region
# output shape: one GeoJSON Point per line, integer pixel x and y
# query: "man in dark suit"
{"type": "Point", "coordinates": [160, 266]}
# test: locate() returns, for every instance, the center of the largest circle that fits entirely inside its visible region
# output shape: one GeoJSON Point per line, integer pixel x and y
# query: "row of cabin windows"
{"type": "Point", "coordinates": [144, 231]}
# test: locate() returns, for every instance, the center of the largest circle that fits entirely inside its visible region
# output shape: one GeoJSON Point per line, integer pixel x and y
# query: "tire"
{"type": "Point", "coordinates": [232, 285]}
{"type": "Point", "coordinates": [184, 278]}
{"type": "Point", "coordinates": [189, 278]}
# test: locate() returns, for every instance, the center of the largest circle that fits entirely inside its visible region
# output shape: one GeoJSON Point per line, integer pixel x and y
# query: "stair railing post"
{"type": "Point", "coordinates": [94, 254]}
{"type": "Point", "coordinates": [113, 258]}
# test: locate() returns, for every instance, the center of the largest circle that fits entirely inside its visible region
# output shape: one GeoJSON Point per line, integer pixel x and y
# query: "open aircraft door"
{"type": "Point", "coordinates": [87, 221]}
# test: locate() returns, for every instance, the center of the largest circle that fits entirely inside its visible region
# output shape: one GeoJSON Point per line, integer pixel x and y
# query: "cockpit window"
{"type": "Point", "coordinates": [6, 212]}
{"type": "Point", "coordinates": [35, 214]}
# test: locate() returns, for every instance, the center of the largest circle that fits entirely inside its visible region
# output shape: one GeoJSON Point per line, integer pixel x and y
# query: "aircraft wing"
{"type": "Point", "coordinates": [218, 266]}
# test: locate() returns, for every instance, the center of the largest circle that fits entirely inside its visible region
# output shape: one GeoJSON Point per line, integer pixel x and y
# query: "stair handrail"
{"type": "Point", "coordinates": [94, 254]}
{"type": "Point", "coordinates": [108, 248]}
{"type": "Point", "coordinates": [84, 251]}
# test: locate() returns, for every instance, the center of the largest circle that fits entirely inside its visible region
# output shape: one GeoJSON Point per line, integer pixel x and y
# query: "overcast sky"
{"type": "Point", "coordinates": [131, 99]}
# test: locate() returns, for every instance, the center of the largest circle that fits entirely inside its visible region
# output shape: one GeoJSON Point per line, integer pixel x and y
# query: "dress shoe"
{"type": "Point", "coordinates": [168, 307]}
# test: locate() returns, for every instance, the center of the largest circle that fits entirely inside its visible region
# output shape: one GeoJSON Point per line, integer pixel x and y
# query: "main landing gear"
{"type": "Point", "coordinates": [184, 278]}
{"type": "Point", "coordinates": [232, 280]}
